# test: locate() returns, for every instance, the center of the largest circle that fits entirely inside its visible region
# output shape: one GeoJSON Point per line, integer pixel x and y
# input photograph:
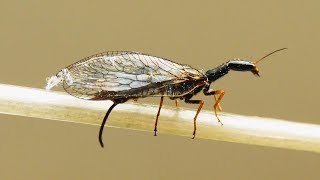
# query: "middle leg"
{"type": "Point", "coordinates": [200, 102]}
{"type": "Point", "coordinates": [177, 103]}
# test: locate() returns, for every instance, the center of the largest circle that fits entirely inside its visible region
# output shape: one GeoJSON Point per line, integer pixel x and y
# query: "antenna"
{"type": "Point", "coordinates": [269, 55]}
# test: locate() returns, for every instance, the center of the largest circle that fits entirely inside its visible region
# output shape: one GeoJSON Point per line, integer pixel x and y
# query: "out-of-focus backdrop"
{"type": "Point", "coordinates": [38, 38]}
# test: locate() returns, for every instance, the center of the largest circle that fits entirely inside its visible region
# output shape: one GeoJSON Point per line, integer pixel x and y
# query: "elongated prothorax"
{"type": "Point", "coordinates": [236, 65]}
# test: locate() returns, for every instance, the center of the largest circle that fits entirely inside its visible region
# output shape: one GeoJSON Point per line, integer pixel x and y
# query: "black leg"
{"type": "Point", "coordinates": [200, 102]}
{"type": "Point", "coordinates": [158, 114]}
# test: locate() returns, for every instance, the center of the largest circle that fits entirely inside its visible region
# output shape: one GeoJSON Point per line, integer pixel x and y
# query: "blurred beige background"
{"type": "Point", "coordinates": [38, 38]}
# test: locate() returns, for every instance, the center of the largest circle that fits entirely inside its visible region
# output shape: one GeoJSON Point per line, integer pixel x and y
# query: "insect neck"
{"type": "Point", "coordinates": [218, 72]}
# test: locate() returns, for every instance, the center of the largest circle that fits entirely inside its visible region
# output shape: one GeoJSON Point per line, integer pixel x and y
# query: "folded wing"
{"type": "Point", "coordinates": [123, 74]}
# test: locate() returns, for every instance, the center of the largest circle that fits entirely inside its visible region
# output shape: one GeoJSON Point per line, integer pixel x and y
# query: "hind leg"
{"type": "Point", "coordinates": [158, 114]}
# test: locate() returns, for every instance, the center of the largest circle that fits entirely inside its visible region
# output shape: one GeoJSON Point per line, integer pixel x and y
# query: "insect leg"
{"type": "Point", "coordinates": [215, 99]}
{"type": "Point", "coordinates": [158, 114]}
{"type": "Point", "coordinates": [106, 117]}
{"type": "Point", "coordinates": [208, 92]}
{"type": "Point", "coordinates": [200, 102]}
{"type": "Point", "coordinates": [175, 100]}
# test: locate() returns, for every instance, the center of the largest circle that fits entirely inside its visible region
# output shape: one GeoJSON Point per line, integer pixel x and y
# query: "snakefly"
{"type": "Point", "coordinates": [122, 75]}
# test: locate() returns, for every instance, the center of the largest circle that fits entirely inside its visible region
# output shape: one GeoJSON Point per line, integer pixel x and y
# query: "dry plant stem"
{"type": "Point", "coordinates": [31, 102]}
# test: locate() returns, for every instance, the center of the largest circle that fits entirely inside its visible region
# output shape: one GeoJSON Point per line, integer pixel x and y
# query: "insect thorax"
{"type": "Point", "coordinates": [184, 88]}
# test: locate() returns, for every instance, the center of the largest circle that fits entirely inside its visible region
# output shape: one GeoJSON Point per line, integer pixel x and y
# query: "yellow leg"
{"type": "Point", "coordinates": [221, 94]}
{"type": "Point", "coordinates": [177, 103]}
{"type": "Point", "coordinates": [158, 114]}
{"type": "Point", "coordinates": [200, 102]}
{"type": "Point", "coordinates": [195, 119]}
{"type": "Point", "coordinates": [215, 99]}
{"type": "Point", "coordinates": [214, 93]}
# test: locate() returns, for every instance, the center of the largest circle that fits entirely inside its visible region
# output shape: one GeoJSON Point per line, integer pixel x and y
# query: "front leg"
{"type": "Point", "coordinates": [200, 102]}
{"type": "Point", "coordinates": [211, 92]}
{"type": "Point", "coordinates": [221, 93]}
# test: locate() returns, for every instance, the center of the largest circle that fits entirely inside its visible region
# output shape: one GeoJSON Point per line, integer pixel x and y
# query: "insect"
{"type": "Point", "coordinates": [123, 75]}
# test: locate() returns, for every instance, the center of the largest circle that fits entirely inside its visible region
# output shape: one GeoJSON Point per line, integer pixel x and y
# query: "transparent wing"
{"type": "Point", "coordinates": [123, 75]}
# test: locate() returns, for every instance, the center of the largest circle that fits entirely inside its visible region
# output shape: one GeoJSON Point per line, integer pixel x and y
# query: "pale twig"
{"type": "Point", "coordinates": [31, 102]}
